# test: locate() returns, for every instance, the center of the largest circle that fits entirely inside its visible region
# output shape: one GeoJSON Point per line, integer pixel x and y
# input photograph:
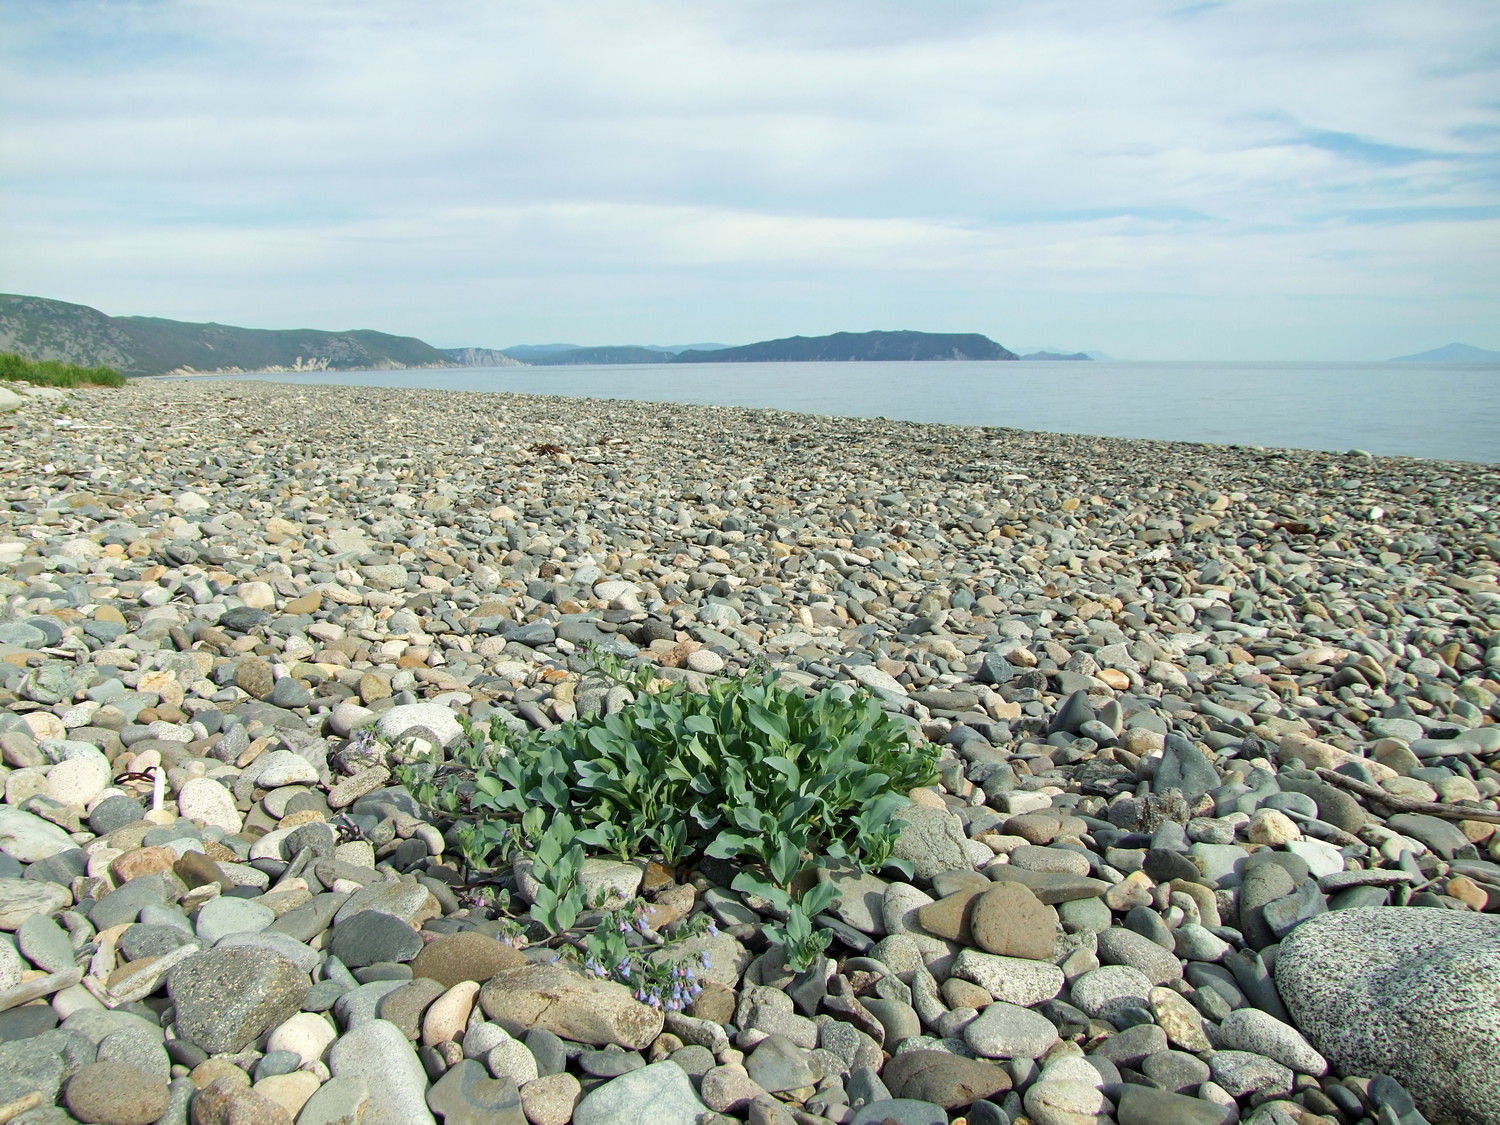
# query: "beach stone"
{"type": "Point", "coordinates": [658, 1094]}
{"type": "Point", "coordinates": [1009, 920]}
{"type": "Point", "coordinates": [1142, 1105]}
{"type": "Point", "coordinates": [305, 1034]}
{"type": "Point", "coordinates": [1064, 1102]}
{"type": "Point", "coordinates": [29, 838]}
{"type": "Point", "coordinates": [1119, 946]}
{"type": "Point", "coordinates": [222, 916]}
{"type": "Point", "coordinates": [289, 1091]}
{"type": "Point", "coordinates": [932, 841]}
{"type": "Point", "coordinates": [944, 1079]}
{"type": "Point", "coordinates": [229, 1101]}
{"type": "Point", "coordinates": [338, 1101]}
{"type": "Point", "coordinates": [1102, 993]}
{"type": "Point", "coordinates": [551, 1099]}
{"type": "Point", "coordinates": [378, 1053]}
{"type": "Point", "coordinates": [23, 899]}
{"type": "Point", "coordinates": [224, 998]}
{"type": "Point", "coordinates": [436, 718]}
{"type": "Point", "coordinates": [116, 1093]}
{"type": "Point", "coordinates": [372, 936]}
{"type": "Point", "coordinates": [1182, 1023]}
{"type": "Point", "coordinates": [1250, 1029]}
{"type": "Point", "coordinates": [1243, 1074]}
{"type": "Point", "coordinates": [1414, 994]}
{"type": "Point", "coordinates": [778, 1064]}
{"type": "Point", "coordinates": [448, 1015]}
{"type": "Point", "coordinates": [468, 956]}
{"type": "Point", "coordinates": [1050, 887]}
{"type": "Point", "coordinates": [1009, 1031]}
{"type": "Point", "coordinates": [1012, 979]}
{"type": "Point", "coordinates": [204, 800]}
{"type": "Point", "coordinates": [570, 1005]}
{"type": "Point", "coordinates": [467, 1095]}
{"type": "Point", "coordinates": [405, 1006]}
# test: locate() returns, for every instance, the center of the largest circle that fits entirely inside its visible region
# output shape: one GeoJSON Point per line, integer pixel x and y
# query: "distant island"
{"type": "Point", "coordinates": [836, 348]}
{"type": "Point", "coordinates": [857, 346]}
{"type": "Point", "coordinates": [1069, 357]}
{"type": "Point", "coordinates": [1451, 353]}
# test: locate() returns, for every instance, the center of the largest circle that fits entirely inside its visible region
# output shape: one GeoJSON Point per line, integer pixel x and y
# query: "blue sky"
{"type": "Point", "coordinates": [1270, 179]}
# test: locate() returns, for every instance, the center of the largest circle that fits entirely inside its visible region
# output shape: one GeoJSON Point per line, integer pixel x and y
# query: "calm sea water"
{"type": "Point", "coordinates": [1447, 411]}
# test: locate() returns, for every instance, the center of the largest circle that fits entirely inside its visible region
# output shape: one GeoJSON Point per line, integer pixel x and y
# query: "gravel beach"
{"type": "Point", "coordinates": [1215, 837]}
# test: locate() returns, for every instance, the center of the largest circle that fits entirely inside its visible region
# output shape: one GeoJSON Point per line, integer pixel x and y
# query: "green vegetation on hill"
{"type": "Point", "coordinates": [848, 346]}
{"type": "Point", "coordinates": [50, 373]}
{"type": "Point", "coordinates": [43, 329]}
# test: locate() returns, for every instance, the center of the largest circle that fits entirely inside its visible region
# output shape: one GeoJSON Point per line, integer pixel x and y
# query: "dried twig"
{"type": "Point", "coordinates": [1409, 804]}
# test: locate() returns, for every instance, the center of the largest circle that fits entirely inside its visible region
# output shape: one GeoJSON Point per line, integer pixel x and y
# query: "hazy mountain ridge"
{"type": "Point", "coordinates": [1452, 353]}
{"type": "Point", "coordinates": [858, 346]}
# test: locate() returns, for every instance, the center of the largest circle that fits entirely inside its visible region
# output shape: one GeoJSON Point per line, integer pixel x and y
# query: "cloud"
{"type": "Point", "coordinates": [244, 162]}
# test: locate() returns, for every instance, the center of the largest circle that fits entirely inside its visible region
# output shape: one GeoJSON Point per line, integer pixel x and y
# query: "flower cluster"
{"type": "Point", "coordinates": [653, 979]}
{"type": "Point", "coordinates": [672, 986]}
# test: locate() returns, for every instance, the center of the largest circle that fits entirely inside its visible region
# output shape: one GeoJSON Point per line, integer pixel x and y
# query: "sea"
{"type": "Point", "coordinates": [1441, 411]}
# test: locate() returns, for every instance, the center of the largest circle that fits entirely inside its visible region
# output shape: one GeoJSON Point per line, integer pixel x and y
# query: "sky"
{"type": "Point", "coordinates": [1266, 179]}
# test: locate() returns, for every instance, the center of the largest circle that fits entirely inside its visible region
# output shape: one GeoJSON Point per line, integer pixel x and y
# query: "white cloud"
{"type": "Point", "coordinates": [376, 160]}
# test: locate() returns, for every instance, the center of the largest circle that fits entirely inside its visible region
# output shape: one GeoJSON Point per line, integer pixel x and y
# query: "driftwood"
{"type": "Point", "coordinates": [1409, 804]}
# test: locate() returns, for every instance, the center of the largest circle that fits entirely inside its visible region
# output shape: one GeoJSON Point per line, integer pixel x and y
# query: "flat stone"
{"type": "Point", "coordinates": [1103, 992]}
{"type": "Point", "coordinates": [1050, 887]}
{"type": "Point", "coordinates": [932, 841]}
{"type": "Point", "coordinates": [1250, 1029]}
{"type": "Point", "coordinates": [342, 1100]}
{"type": "Point", "coordinates": [378, 1053]}
{"type": "Point", "coordinates": [944, 1079]}
{"type": "Point", "coordinates": [1119, 946]}
{"type": "Point", "coordinates": [23, 899]}
{"type": "Point", "coordinates": [28, 838]}
{"type": "Point", "coordinates": [570, 1005]}
{"type": "Point", "coordinates": [467, 1095]}
{"type": "Point", "coordinates": [435, 717]}
{"type": "Point", "coordinates": [1009, 920]}
{"type": "Point", "coordinates": [466, 956]}
{"type": "Point", "coordinates": [225, 998]}
{"type": "Point", "coordinates": [371, 936]}
{"type": "Point", "coordinates": [1014, 980]}
{"type": "Point", "coordinates": [116, 1093]}
{"type": "Point", "coordinates": [659, 1094]}
{"type": "Point", "coordinates": [1009, 1031]}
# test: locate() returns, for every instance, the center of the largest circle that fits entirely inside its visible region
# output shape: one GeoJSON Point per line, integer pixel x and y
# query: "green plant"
{"type": "Point", "coordinates": [49, 373]}
{"type": "Point", "coordinates": [746, 772]}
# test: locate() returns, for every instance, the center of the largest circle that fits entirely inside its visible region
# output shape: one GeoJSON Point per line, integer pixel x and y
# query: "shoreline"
{"type": "Point", "coordinates": [1127, 649]}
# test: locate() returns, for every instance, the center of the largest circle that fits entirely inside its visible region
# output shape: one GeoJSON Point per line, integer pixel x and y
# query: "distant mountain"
{"type": "Point", "coordinates": [40, 328]}
{"type": "Point", "coordinates": [544, 355]}
{"type": "Point", "coordinates": [1098, 355]}
{"type": "Point", "coordinates": [524, 352]}
{"type": "Point", "coordinates": [1452, 353]}
{"type": "Point", "coordinates": [622, 353]}
{"type": "Point", "coordinates": [675, 348]}
{"type": "Point", "coordinates": [848, 346]}
{"type": "Point", "coordinates": [480, 357]}
{"type": "Point", "coordinates": [1084, 356]}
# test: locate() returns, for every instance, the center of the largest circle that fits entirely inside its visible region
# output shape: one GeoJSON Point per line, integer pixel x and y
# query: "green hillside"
{"type": "Point", "coordinates": [43, 329]}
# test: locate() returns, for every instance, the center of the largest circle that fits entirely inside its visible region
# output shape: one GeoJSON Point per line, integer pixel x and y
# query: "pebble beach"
{"type": "Point", "coordinates": [1214, 837]}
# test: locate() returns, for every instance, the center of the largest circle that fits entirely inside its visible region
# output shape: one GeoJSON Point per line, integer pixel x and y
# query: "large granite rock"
{"type": "Point", "coordinates": [1406, 992]}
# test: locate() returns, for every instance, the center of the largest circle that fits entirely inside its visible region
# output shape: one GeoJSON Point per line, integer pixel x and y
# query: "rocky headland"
{"type": "Point", "coordinates": [1214, 836]}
